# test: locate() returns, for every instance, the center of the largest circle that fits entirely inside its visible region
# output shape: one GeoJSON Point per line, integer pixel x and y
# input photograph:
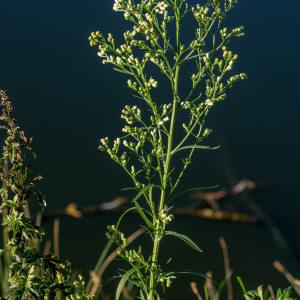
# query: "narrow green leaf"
{"type": "Point", "coordinates": [142, 295]}
{"type": "Point", "coordinates": [193, 273]}
{"type": "Point", "coordinates": [123, 281]}
{"type": "Point", "coordinates": [184, 238]}
{"type": "Point", "coordinates": [123, 215]}
{"type": "Point", "coordinates": [150, 202]}
{"type": "Point", "coordinates": [201, 147]}
{"type": "Point", "coordinates": [106, 249]}
{"type": "Point", "coordinates": [121, 71]}
{"type": "Point", "coordinates": [206, 293]}
{"type": "Point", "coordinates": [181, 193]}
{"type": "Point", "coordinates": [133, 188]}
{"type": "Point", "coordinates": [139, 208]}
{"type": "Point", "coordinates": [220, 288]}
{"type": "Point", "coordinates": [241, 283]}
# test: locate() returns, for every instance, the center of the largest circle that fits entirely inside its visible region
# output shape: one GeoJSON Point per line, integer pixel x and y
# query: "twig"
{"type": "Point", "coordinates": [47, 248]}
{"type": "Point", "coordinates": [290, 278]}
{"type": "Point", "coordinates": [245, 186]}
{"type": "Point", "coordinates": [272, 294]}
{"type": "Point", "coordinates": [217, 215]}
{"type": "Point", "coordinates": [227, 269]}
{"type": "Point", "coordinates": [56, 237]}
{"type": "Point", "coordinates": [97, 274]}
{"type": "Point", "coordinates": [208, 209]}
{"type": "Point", "coordinates": [195, 290]}
{"type": "Point", "coordinates": [210, 286]}
{"type": "Point", "coordinates": [74, 211]}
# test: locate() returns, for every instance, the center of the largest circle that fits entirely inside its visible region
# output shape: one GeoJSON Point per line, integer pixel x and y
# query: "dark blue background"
{"type": "Point", "coordinates": [67, 100]}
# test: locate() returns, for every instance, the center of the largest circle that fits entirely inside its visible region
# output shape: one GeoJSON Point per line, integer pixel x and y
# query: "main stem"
{"type": "Point", "coordinates": [159, 231]}
{"type": "Point", "coordinates": [158, 234]}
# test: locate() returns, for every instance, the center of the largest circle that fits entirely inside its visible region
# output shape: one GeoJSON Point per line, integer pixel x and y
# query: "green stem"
{"type": "Point", "coordinates": [159, 229]}
{"type": "Point", "coordinates": [154, 257]}
{"type": "Point", "coordinates": [158, 234]}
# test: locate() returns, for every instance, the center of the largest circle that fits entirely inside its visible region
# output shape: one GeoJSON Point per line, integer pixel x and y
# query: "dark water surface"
{"type": "Point", "coordinates": [67, 100]}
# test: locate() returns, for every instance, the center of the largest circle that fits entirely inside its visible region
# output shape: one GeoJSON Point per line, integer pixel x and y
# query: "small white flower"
{"type": "Point", "coordinates": [104, 141]}
{"type": "Point", "coordinates": [161, 7]}
{"type": "Point", "coordinates": [209, 103]}
{"type": "Point", "coordinates": [152, 83]}
{"type": "Point", "coordinates": [117, 5]}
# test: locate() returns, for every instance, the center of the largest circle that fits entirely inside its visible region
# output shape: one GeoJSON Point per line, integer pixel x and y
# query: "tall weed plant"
{"type": "Point", "coordinates": [158, 131]}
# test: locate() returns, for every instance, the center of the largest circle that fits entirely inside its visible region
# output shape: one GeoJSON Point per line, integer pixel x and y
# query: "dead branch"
{"type": "Point", "coordinates": [207, 208]}
{"type": "Point", "coordinates": [245, 186]}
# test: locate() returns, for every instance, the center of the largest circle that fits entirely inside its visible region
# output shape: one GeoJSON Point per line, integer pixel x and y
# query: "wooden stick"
{"type": "Point", "coordinates": [206, 207]}
{"type": "Point", "coordinates": [56, 237]}
{"type": "Point", "coordinates": [290, 278]}
{"type": "Point", "coordinates": [97, 274]}
{"type": "Point", "coordinates": [227, 269]}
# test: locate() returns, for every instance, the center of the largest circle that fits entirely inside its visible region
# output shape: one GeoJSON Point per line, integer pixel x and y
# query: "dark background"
{"type": "Point", "coordinates": [67, 100]}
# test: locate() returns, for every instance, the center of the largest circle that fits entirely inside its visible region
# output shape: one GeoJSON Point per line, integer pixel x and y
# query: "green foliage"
{"type": "Point", "coordinates": [153, 45]}
{"type": "Point", "coordinates": [262, 293]}
{"type": "Point", "coordinates": [123, 281]}
{"type": "Point", "coordinates": [265, 294]}
{"type": "Point", "coordinates": [31, 275]}
{"type": "Point", "coordinates": [212, 292]}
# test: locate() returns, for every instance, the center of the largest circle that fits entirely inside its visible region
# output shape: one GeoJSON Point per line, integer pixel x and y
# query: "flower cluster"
{"type": "Point", "coordinates": [215, 87]}
{"type": "Point", "coordinates": [162, 220]}
{"type": "Point", "coordinates": [164, 217]}
{"type": "Point", "coordinates": [166, 279]}
{"type": "Point", "coordinates": [161, 7]}
{"type": "Point", "coordinates": [135, 258]}
{"type": "Point", "coordinates": [195, 111]}
{"type": "Point", "coordinates": [230, 4]}
{"type": "Point", "coordinates": [236, 32]}
{"type": "Point", "coordinates": [95, 38]}
{"type": "Point", "coordinates": [152, 83]}
{"type": "Point", "coordinates": [118, 237]}
{"type": "Point", "coordinates": [201, 14]}
{"type": "Point", "coordinates": [119, 5]}
{"type": "Point", "coordinates": [131, 114]}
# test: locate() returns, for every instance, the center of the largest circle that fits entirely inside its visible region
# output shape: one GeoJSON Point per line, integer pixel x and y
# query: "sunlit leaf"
{"type": "Point", "coordinates": [123, 281]}
{"type": "Point", "coordinates": [184, 238]}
